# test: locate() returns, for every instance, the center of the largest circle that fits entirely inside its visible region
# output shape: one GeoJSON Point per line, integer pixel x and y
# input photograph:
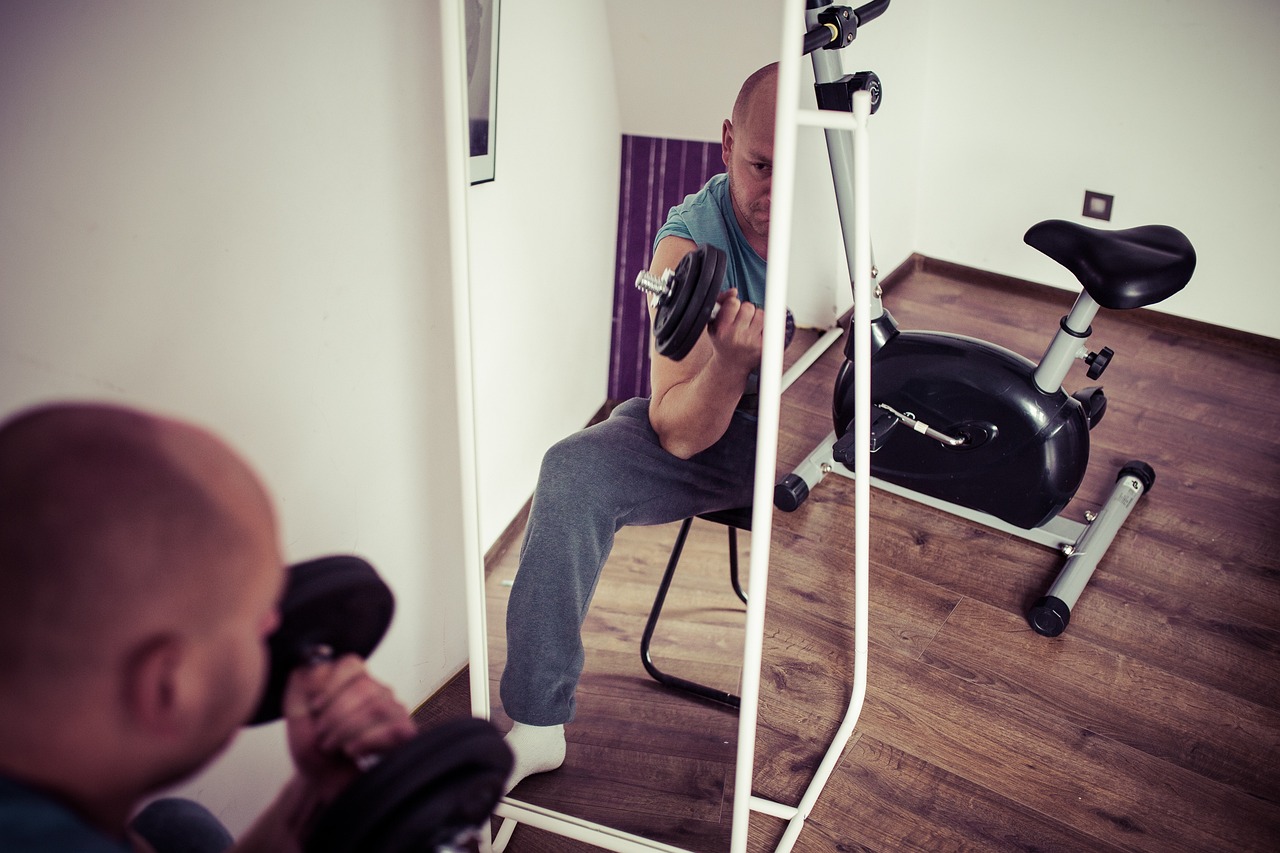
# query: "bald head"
{"type": "Point", "coordinates": [116, 524]}
{"type": "Point", "coordinates": [758, 92]}
{"type": "Point", "coordinates": [747, 151]}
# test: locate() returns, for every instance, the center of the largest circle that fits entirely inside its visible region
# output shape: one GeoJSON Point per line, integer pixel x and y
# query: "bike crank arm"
{"type": "Point", "coordinates": [925, 429]}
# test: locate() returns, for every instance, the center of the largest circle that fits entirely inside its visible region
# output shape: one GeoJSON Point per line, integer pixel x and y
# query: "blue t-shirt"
{"type": "Point", "coordinates": [31, 822]}
{"type": "Point", "coordinates": [707, 217]}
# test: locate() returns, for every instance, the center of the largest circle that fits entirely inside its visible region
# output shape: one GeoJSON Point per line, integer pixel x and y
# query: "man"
{"type": "Point", "coordinates": [140, 572]}
{"type": "Point", "coordinates": [688, 449]}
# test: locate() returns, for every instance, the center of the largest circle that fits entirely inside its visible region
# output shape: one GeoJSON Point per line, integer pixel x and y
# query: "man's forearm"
{"type": "Point", "coordinates": [691, 416]}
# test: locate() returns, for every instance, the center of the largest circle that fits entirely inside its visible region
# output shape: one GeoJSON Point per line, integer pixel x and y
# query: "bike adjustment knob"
{"type": "Point", "coordinates": [1098, 361]}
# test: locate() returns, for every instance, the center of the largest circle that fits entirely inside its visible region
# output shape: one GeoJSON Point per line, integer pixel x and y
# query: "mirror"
{"type": "Point", "coordinates": [641, 758]}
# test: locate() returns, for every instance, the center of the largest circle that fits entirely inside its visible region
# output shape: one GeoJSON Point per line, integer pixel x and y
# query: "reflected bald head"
{"type": "Point", "coordinates": [747, 151]}
{"type": "Point", "coordinates": [758, 92]}
{"type": "Point", "coordinates": [116, 525]}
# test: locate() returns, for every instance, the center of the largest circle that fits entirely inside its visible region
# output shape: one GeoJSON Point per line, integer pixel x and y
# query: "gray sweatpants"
{"type": "Point", "coordinates": [592, 484]}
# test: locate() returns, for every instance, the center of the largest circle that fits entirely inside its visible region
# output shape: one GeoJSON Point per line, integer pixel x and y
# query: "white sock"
{"type": "Point", "coordinates": [537, 749]}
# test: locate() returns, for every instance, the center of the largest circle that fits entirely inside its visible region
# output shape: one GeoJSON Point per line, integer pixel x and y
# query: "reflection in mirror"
{"type": "Point", "coordinates": [635, 756]}
{"type": "Point", "coordinates": [638, 756]}
{"type": "Point", "coordinates": [642, 758]}
{"type": "Point", "coordinates": [482, 86]}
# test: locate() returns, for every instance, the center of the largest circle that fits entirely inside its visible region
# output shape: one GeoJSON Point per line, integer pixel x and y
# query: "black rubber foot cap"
{"type": "Point", "coordinates": [790, 493]}
{"type": "Point", "coordinates": [1049, 616]}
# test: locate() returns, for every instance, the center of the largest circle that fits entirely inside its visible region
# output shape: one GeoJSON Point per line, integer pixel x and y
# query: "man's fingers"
{"type": "Point", "coordinates": [314, 687]}
{"type": "Point", "coordinates": [364, 717]}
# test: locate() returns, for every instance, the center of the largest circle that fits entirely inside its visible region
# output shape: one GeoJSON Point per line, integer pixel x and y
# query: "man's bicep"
{"type": "Point", "coordinates": [669, 252]}
{"type": "Point", "coordinates": [667, 256]}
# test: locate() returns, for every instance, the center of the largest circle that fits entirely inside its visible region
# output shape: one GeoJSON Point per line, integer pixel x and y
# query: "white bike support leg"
{"type": "Point", "coordinates": [1082, 543]}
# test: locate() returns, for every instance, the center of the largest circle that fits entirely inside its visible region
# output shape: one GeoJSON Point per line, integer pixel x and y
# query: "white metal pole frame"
{"type": "Point", "coordinates": [452, 40]}
{"type": "Point", "coordinates": [782, 194]}
{"type": "Point", "coordinates": [788, 119]}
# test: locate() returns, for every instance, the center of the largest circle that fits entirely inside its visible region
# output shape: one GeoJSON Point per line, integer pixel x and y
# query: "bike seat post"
{"type": "Point", "coordinates": [1067, 345]}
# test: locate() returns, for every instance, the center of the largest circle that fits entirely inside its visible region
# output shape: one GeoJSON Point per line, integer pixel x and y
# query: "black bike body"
{"type": "Point", "coordinates": [1024, 452]}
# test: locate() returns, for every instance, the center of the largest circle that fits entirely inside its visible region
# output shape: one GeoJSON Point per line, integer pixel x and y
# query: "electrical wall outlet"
{"type": "Point", "coordinates": [1098, 205]}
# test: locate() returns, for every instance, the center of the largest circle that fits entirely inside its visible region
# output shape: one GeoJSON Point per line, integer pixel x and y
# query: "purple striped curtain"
{"type": "Point", "coordinates": [656, 175]}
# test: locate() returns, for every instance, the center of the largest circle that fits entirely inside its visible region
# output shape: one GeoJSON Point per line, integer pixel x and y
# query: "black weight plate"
{"type": "Point", "coordinates": [446, 780]}
{"type": "Point", "coordinates": [673, 307]}
{"type": "Point", "coordinates": [339, 602]}
{"type": "Point", "coordinates": [703, 288]}
{"type": "Point", "coordinates": [709, 288]}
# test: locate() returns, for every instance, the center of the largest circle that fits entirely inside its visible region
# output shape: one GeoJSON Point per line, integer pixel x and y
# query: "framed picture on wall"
{"type": "Point", "coordinates": [482, 85]}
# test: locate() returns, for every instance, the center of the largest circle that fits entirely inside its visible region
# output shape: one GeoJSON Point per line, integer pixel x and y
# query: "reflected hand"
{"type": "Point", "coordinates": [737, 332]}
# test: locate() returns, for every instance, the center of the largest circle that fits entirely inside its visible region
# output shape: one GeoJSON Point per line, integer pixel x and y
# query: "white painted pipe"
{"type": "Point", "coordinates": [452, 38]}
{"type": "Point", "coordinates": [564, 825]}
{"type": "Point", "coordinates": [862, 466]}
{"type": "Point", "coordinates": [775, 308]}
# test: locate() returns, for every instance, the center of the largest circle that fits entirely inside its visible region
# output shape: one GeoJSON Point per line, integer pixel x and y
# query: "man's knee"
{"type": "Point", "coordinates": [582, 457]}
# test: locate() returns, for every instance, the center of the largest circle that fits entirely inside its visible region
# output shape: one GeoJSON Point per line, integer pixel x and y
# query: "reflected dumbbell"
{"type": "Point", "coordinates": [432, 793]}
{"type": "Point", "coordinates": [684, 299]}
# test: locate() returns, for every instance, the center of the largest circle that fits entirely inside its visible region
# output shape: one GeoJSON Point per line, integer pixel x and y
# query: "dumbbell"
{"type": "Point", "coordinates": [432, 794]}
{"type": "Point", "coordinates": [684, 299]}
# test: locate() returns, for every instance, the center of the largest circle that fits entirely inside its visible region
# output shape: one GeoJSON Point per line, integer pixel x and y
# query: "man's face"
{"type": "Point", "coordinates": [230, 658]}
{"type": "Point", "coordinates": [245, 657]}
{"type": "Point", "coordinates": [747, 150]}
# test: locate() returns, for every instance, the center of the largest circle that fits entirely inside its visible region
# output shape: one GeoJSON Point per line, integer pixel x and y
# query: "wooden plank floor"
{"type": "Point", "coordinates": [1152, 724]}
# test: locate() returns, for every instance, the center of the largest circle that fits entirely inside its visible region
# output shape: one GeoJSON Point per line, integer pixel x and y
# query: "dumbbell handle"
{"type": "Point", "coordinates": [656, 286]}
{"type": "Point", "coordinates": [659, 288]}
{"type": "Point", "coordinates": [314, 654]}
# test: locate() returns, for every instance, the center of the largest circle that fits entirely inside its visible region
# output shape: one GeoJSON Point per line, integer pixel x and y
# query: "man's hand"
{"type": "Point", "coordinates": [337, 715]}
{"type": "Point", "coordinates": [692, 400]}
{"type": "Point", "coordinates": [737, 332]}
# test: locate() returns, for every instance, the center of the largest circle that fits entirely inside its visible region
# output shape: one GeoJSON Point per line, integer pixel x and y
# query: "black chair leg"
{"type": "Point", "coordinates": [673, 681]}
{"type": "Point", "coordinates": [733, 565]}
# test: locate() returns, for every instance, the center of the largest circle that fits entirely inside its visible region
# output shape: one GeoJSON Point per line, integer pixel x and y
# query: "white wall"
{"type": "Point", "coordinates": [680, 81]}
{"type": "Point", "coordinates": [543, 237]}
{"type": "Point", "coordinates": [235, 212]}
{"type": "Point", "coordinates": [1170, 105]}
{"type": "Point", "coordinates": [1000, 113]}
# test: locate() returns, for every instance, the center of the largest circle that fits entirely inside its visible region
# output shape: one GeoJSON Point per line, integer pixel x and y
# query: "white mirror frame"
{"type": "Point", "coordinates": [789, 118]}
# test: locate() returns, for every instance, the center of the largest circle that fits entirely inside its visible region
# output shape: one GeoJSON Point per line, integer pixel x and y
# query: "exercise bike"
{"type": "Point", "coordinates": [961, 424]}
{"type": "Point", "coordinates": [968, 426]}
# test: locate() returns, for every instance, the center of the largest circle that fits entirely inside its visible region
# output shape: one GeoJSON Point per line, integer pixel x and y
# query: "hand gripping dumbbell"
{"type": "Point", "coordinates": [684, 299]}
{"type": "Point", "coordinates": [432, 794]}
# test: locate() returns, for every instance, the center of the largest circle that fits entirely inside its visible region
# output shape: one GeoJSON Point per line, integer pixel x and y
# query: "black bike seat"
{"type": "Point", "coordinates": [1119, 269]}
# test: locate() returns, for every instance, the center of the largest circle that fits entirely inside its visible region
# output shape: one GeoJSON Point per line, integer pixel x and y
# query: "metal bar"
{"type": "Point", "coordinates": [581, 830]}
{"type": "Point", "coordinates": [452, 39]}
{"type": "Point", "coordinates": [772, 809]}
{"type": "Point", "coordinates": [862, 462]}
{"type": "Point", "coordinates": [829, 119]}
{"type": "Point", "coordinates": [1096, 540]}
{"type": "Point", "coordinates": [782, 200]}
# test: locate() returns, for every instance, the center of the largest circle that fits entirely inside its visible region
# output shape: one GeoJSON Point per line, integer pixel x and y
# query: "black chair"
{"type": "Point", "coordinates": [735, 520]}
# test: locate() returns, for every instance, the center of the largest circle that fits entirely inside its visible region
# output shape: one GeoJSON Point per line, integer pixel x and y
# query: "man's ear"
{"type": "Point", "coordinates": [152, 683]}
{"type": "Point", "coordinates": [726, 141]}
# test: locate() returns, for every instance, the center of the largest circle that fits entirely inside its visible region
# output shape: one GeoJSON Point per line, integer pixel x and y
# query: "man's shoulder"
{"type": "Point", "coordinates": [31, 822]}
{"type": "Point", "coordinates": [701, 216]}
{"type": "Point", "coordinates": [712, 192]}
